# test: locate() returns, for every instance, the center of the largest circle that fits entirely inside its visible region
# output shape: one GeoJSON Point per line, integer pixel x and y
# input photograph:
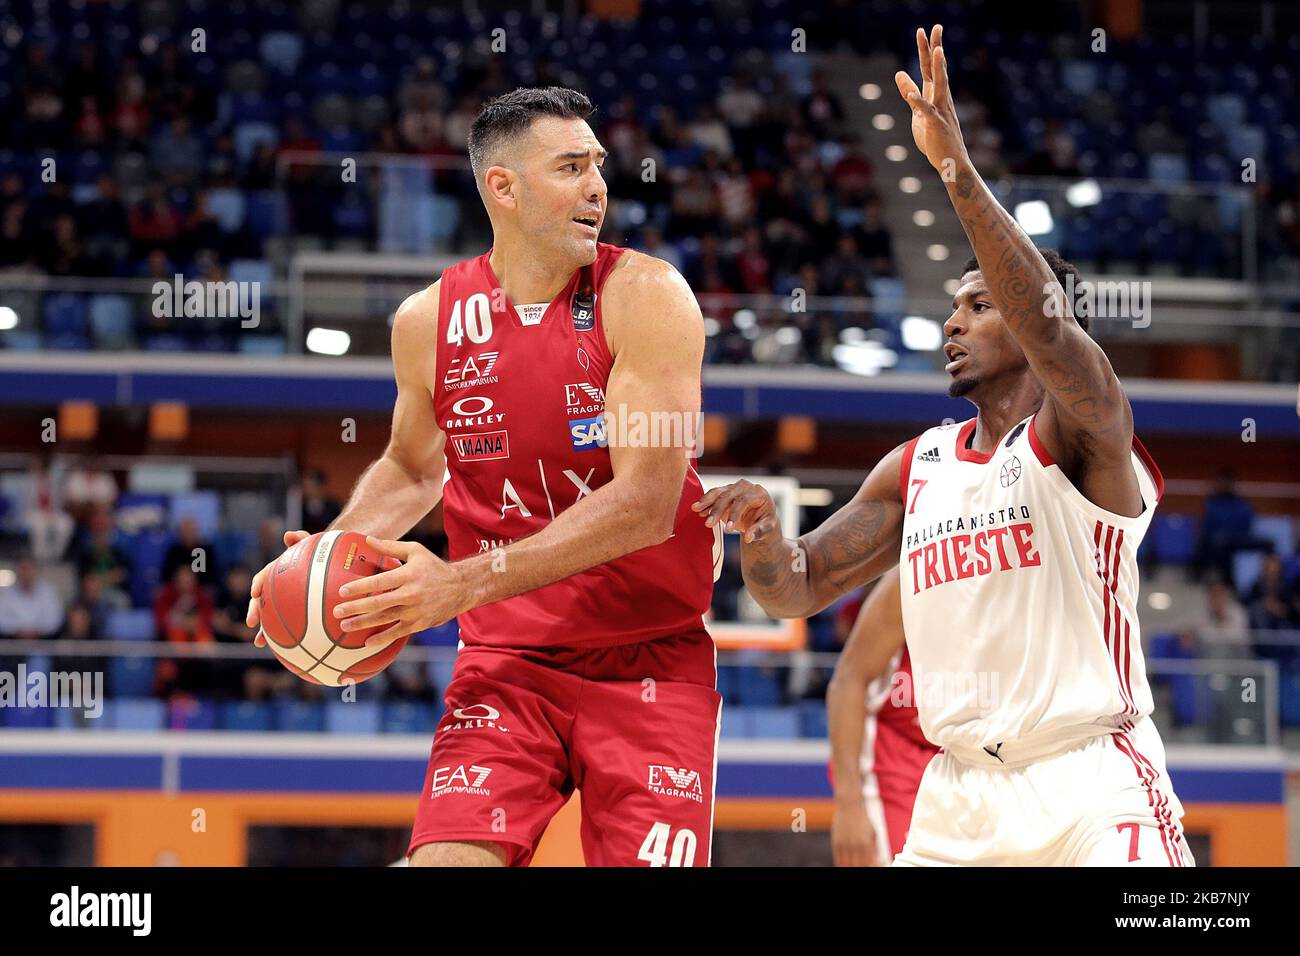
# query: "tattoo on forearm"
{"type": "Point", "coordinates": [1018, 281]}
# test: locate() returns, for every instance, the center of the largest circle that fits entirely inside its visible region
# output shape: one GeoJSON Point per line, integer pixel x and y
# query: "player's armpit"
{"type": "Point", "coordinates": [405, 483]}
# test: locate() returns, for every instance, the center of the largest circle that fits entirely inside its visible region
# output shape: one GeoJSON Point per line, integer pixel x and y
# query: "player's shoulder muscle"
{"type": "Point", "coordinates": [415, 329]}
{"type": "Point", "coordinates": [643, 293]}
{"type": "Point", "coordinates": [885, 481]}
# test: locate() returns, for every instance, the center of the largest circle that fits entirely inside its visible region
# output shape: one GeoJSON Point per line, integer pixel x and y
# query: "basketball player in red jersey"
{"type": "Point", "coordinates": [878, 752]}
{"type": "Point", "coordinates": [1016, 535]}
{"type": "Point", "coordinates": [578, 574]}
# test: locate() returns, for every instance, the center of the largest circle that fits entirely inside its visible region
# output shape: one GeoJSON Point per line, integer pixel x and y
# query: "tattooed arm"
{"type": "Point", "coordinates": [1086, 422]}
{"type": "Point", "coordinates": [855, 545]}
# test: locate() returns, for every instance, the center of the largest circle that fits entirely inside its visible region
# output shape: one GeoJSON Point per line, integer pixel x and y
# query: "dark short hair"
{"type": "Point", "coordinates": [1060, 266]}
{"type": "Point", "coordinates": [509, 115]}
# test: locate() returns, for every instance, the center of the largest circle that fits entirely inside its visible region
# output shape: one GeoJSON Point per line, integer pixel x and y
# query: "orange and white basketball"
{"type": "Point", "coordinates": [297, 609]}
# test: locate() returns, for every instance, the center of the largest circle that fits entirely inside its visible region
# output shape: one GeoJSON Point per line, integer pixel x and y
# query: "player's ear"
{"type": "Point", "coordinates": [499, 184]}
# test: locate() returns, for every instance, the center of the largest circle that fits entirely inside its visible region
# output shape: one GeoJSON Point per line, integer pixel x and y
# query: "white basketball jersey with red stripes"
{"type": "Point", "coordinates": [1019, 596]}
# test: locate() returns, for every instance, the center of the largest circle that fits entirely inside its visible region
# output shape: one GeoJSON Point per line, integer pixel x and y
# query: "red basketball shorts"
{"type": "Point", "coordinates": [634, 728]}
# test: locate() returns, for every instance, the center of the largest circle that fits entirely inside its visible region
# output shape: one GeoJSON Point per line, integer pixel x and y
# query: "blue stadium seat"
{"type": "Point", "coordinates": [148, 550]}
{"type": "Point", "coordinates": [228, 205]}
{"type": "Point", "coordinates": [111, 320]}
{"type": "Point", "coordinates": [298, 716]}
{"type": "Point", "coordinates": [245, 715]}
{"type": "Point", "coordinates": [253, 270]}
{"type": "Point", "coordinates": [134, 714]}
{"type": "Point", "coordinates": [1174, 537]}
{"type": "Point", "coordinates": [281, 50]}
{"type": "Point", "coordinates": [22, 341]}
{"type": "Point", "coordinates": [355, 717]}
{"type": "Point", "coordinates": [191, 713]}
{"type": "Point", "coordinates": [204, 506]}
{"type": "Point", "coordinates": [758, 688]}
{"type": "Point", "coordinates": [812, 719]}
{"type": "Point", "coordinates": [1246, 568]}
{"type": "Point", "coordinates": [774, 723]}
{"type": "Point", "coordinates": [261, 345]}
{"type": "Point", "coordinates": [1290, 699]}
{"type": "Point", "coordinates": [132, 625]}
{"type": "Point", "coordinates": [27, 718]}
{"type": "Point", "coordinates": [408, 718]}
{"type": "Point", "coordinates": [65, 314]}
{"type": "Point", "coordinates": [1277, 529]}
{"type": "Point", "coordinates": [441, 672]}
{"type": "Point", "coordinates": [736, 723]}
{"type": "Point", "coordinates": [131, 676]}
{"type": "Point", "coordinates": [265, 214]}
{"type": "Point", "coordinates": [247, 136]}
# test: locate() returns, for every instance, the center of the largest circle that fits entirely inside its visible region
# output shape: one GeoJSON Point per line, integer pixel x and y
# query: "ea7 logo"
{"type": "Point", "coordinates": [460, 780]}
{"type": "Point", "coordinates": [474, 367]}
{"type": "Point", "coordinates": [672, 782]}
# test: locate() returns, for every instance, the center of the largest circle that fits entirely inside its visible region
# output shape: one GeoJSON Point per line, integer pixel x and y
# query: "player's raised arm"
{"type": "Point", "coordinates": [876, 636]}
{"type": "Point", "coordinates": [1086, 407]}
{"type": "Point", "coordinates": [798, 578]}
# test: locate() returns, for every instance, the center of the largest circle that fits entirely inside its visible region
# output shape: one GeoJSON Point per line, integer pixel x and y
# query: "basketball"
{"type": "Point", "coordinates": [297, 607]}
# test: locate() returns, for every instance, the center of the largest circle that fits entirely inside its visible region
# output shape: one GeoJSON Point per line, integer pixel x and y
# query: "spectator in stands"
{"type": "Point", "coordinates": [98, 601]}
{"type": "Point", "coordinates": [269, 544]}
{"type": "Point", "coordinates": [1269, 599]}
{"type": "Point", "coordinates": [89, 489]}
{"type": "Point", "coordinates": [183, 611]}
{"type": "Point", "coordinates": [30, 607]}
{"type": "Point", "coordinates": [79, 624]}
{"type": "Point", "coordinates": [177, 153]}
{"type": "Point", "coordinates": [319, 509]}
{"type": "Point", "coordinates": [874, 242]}
{"type": "Point", "coordinates": [62, 253]}
{"type": "Point", "coordinates": [154, 222]}
{"type": "Point", "coordinates": [1222, 626]}
{"type": "Point", "coordinates": [49, 527]}
{"type": "Point", "coordinates": [15, 246]}
{"type": "Point", "coordinates": [1225, 528]}
{"type": "Point", "coordinates": [652, 244]}
{"type": "Point", "coordinates": [238, 678]}
{"type": "Point", "coordinates": [104, 225]}
{"type": "Point", "coordinates": [852, 175]}
{"type": "Point", "coordinates": [190, 551]}
{"type": "Point", "coordinates": [99, 559]}
{"type": "Point", "coordinates": [822, 109]}
{"type": "Point", "coordinates": [846, 271]}
{"type": "Point", "coordinates": [183, 614]}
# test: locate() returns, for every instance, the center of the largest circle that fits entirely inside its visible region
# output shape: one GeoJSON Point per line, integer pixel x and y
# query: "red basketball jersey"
{"type": "Point", "coordinates": [520, 395]}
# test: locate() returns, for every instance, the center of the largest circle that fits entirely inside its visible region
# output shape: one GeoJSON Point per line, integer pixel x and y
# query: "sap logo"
{"type": "Point", "coordinates": [587, 433]}
{"type": "Point", "coordinates": [674, 782]}
{"type": "Point", "coordinates": [459, 780]}
{"type": "Point", "coordinates": [488, 446]}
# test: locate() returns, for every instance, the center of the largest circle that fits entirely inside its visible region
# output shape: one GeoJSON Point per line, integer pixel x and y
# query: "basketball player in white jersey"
{"type": "Point", "coordinates": [1016, 535]}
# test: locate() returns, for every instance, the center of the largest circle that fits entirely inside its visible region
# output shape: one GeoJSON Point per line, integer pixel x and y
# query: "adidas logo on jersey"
{"type": "Point", "coordinates": [931, 455]}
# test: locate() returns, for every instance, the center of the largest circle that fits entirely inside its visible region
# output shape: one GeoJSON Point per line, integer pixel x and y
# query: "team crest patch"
{"type": "Point", "coordinates": [1010, 471]}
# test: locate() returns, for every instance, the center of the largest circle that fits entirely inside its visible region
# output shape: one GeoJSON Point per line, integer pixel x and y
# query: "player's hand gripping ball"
{"type": "Point", "coordinates": [296, 609]}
